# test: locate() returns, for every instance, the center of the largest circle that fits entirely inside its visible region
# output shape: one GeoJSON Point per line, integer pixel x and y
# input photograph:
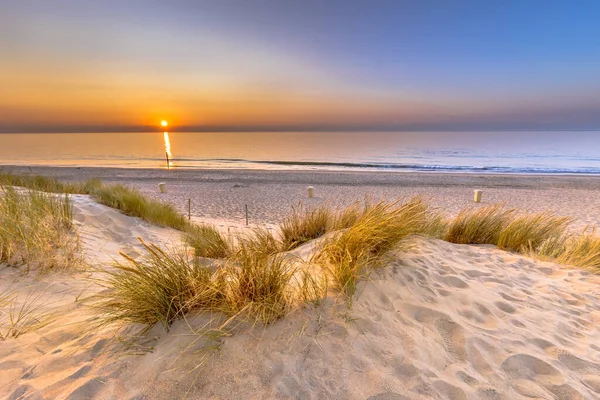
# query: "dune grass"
{"type": "Point", "coordinates": [479, 226]}
{"type": "Point", "coordinates": [42, 184]}
{"type": "Point", "coordinates": [579, 250]}
{"type": "Point", "coordinates": [303, 225]}
{"type": "Point", "coordinates": [207, 241]}
{"type": "Point", "coordinates": [127, 200]}
{"type": "Point", "coordinates": [259, 285]}
{"type": "Point", "coordinates": [131, 202]}
{"type": "Point", "coordinates": [348, 255]}
{"type": "Point", "coordinates": [36, 230]}
{"type": "Point", "coordinates": [17, 319]}
{"type": "Point", "coordinates": [159, 288]}
{"type": "Point", "coordinates": [527, 232]}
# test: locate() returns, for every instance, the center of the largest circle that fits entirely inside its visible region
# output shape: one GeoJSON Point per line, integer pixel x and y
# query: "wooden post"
{"type": "Point", "coordinates": [311, 191]}
{"type": "Point", "coordinates": [189, 209]}
{"type": "Point", "coordinates": [477, 197]}
{"type": "Point", "coordinates": [246, 208]}
{"type": "Point", "coordinates": [168, 164]}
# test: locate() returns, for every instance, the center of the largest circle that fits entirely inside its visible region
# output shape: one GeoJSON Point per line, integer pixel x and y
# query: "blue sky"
{"type": "Point", "coordinates": [225, 64]}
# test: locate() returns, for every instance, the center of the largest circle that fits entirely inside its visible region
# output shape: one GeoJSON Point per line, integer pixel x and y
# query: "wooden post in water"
{"type": "Point", "coordinates": [168, 164]}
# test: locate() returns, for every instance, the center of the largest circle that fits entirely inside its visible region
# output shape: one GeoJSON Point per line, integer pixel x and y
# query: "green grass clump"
{"type": "Point", "coordinates": [159, 288]}
{"type": "Point", "coordinates": [349, 254]}
{"type": "Point", "coordinates": [259, 285]}
{"type": "Point", "coordinates": [128, 201]}
{"type": "Point", "coordinates": [42, 183]}
{"type": "Point", "coordinates": [479, 226]}
{"type": "Point", "coordinates": [36, 230]}
{"type": "Point", "coordinates": [304, 225]}
{"type": "Point", "coordinates": [133, 203]}
{"type": "Point", "coordinates": [527, 232]}
{"type": "Point", "coordinates": [207, 241]}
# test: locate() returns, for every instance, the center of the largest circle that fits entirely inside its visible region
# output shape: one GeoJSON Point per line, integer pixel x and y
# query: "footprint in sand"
{"type": "Point", "coordinates": [453, 337]}
{"type": "Point", "coordinates": [529, 367]}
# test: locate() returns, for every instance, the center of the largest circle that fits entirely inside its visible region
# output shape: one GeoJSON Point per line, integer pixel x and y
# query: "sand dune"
{"type": "Point", "coordinates": [440, 321]}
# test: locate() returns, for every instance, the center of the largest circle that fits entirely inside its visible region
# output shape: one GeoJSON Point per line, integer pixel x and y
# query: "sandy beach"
{"type": "Point", "coordinates": [440, 321]}
{"type": "Point", "coordinates": [221, 194]}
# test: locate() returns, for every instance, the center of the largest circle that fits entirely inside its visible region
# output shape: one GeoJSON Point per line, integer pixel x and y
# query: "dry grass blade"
{"type": "Point", "coordinates": [18, 318]}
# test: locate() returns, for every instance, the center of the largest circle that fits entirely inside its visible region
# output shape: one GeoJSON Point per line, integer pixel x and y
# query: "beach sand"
{"type": "Point", "coordinates": [440, 321]}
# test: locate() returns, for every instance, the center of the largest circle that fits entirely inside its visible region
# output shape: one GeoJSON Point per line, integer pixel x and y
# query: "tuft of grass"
{"type": "Point", "coordinates": [259, 285]}
{"type": "Point", "coordinates": [479, 226]}
{"type": "Point", "coordinates": [313, 289]}
{"type": "Point", "coordinates": [207, 241]}
{"type": "Point", "coordinates": [133, 203]}
{"type": "Point", "coordinates": [17, 320]}
{"type": "Point", "coordinates": [348, 255]}
{"type": "Point", "coordinates": [260, 241]}
{"type": "Point", "coordinates": [527, 232]}
{"type": "Point", "coordinates": [128, 201]}
{"type": "Point", "coordinates": [41, 183]}
{"type": "Point", "coordinates": [581, 250]}
{"type": "Point", "coordinates": [36, 230]}
{"type": "Point", "coordinates": [304, 225]}
{"type": "Point", "coordinates": [159, 288]}
{"type": "Point", "coordinates": [347, 217]}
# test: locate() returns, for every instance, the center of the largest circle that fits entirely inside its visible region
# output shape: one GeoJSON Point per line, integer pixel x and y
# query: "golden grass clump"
{"type": "Point", "coordinates": [479, 226]}
{"type": "Point", "coordinates": [207, 241]}
{"type": "Point", "coordinates": [581, 250]}
{"type": "Point", "coordinates": [133, 203]}
{"type": "Point", "coordinates": [36, 230]}
{"type": "Point", "coordinates": [348, 254]}
{"type": "Point", "coordinates": [529, 231]}
{"type": "Point", "coordinates": [259, 285]}
{"type": "Point", "coordinates": [260, 241]}
{"type": "Point", "coordinates": [159, 288]}
{"type": "Point", "coordinates": [304, 225]}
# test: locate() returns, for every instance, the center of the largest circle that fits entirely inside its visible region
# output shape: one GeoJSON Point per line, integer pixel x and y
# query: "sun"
{"type": "Point", "coordinates": [164, 123]}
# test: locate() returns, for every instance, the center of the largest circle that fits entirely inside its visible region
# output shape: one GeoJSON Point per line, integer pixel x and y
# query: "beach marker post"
{"type": "Point", "coordinates": [162, 187]}
{"type": "Point", "coordinates": [246, 209]}
{"type": "Point", "coordinates": [189, 209]}
{"type": "Point", "coordinates": [477, 197]}
{"type": "Point", "coordinates": [311, 192]}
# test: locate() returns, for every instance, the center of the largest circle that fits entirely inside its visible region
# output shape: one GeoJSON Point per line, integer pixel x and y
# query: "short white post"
{"type": "Point", "coordinates": [162, 187]}
{"type": "Point", "coordinates": [477, 198]}
{"type": "Point", "coordinates": [311, 192]}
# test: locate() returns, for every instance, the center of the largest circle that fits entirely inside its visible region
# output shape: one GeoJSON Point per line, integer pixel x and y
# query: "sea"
{"type": "Point", "coordinates": [519, 152]}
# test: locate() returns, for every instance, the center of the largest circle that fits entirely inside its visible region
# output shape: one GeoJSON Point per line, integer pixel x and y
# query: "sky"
{"type": "Point", "coordinates": [82, 65]}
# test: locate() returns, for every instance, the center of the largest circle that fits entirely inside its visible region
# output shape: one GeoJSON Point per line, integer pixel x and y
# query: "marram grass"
{"type": "Point", "coordinates": [127, 200]}
{"type": "Point", "coordinates": [479, 225]}
{"type": "Point", "coordinates": [207, 241]}
{"type": "Point", "coordinates": [529, 231]}
{"type": "Point", "coordinates": [36, 230]}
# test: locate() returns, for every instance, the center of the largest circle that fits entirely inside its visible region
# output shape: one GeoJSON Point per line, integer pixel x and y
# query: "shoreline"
{"type": "Point", "coordinates": [269, 194]}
